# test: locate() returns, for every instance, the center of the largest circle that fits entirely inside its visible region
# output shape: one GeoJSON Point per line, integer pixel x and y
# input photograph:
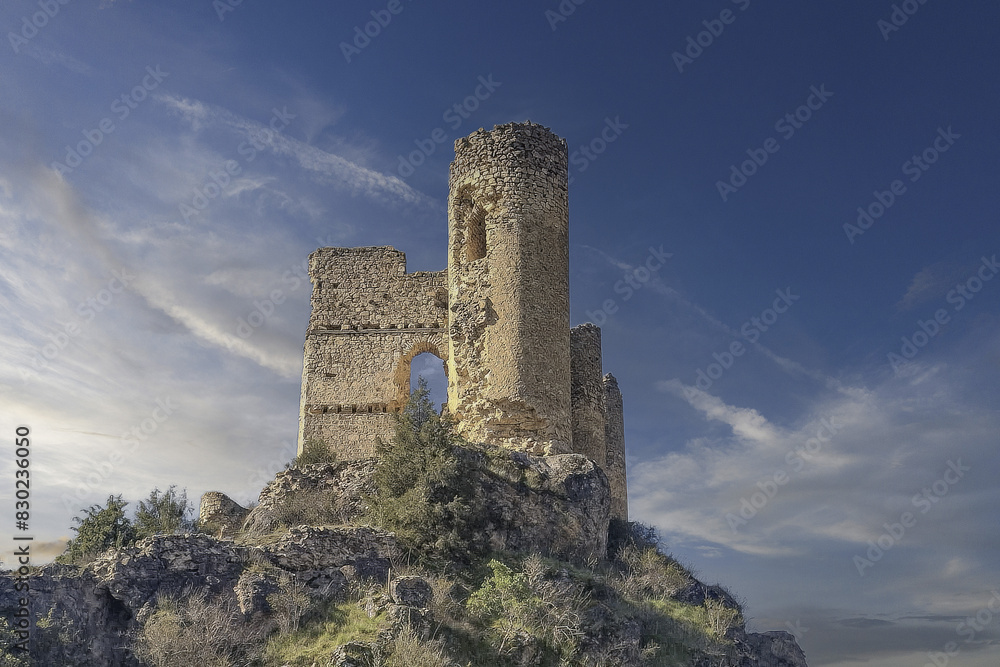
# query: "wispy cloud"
{"type": "Point", "coordinates": [931, 282]}
{"type": "Point", "coordinates": [330, 168]}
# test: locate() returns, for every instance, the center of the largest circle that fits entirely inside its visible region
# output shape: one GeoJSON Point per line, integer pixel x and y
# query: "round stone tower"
{"type": "Point", "coordinates": [508, 279]}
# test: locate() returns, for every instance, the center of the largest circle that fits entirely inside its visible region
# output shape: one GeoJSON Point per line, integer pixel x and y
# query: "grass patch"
{"type": "Point", "coordinates": [682, 631]}
{"type": "Point", "coordinates": [315, 641]}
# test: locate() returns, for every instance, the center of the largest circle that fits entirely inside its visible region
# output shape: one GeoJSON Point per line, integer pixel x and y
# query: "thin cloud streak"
{"type": "Point", "coordinates": [332, 169]}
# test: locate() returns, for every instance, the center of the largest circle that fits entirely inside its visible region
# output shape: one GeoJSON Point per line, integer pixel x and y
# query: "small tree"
{"type": "Point", "coordinates": [531, 602]}
{"type": "Point", "coordinates": [163, 513]}
{"type": "Point", "coordinates": [423, 493]}
{"type": "Point", "coordinates": [99, 529]}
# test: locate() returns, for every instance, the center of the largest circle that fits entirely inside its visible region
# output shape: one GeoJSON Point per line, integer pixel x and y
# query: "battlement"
{"type": "Point", "coordinates": [369, 288]}
{"type": "Point", "coordinates": [498, 317]}
{"type": "Point", "coordinates": [369, 319]}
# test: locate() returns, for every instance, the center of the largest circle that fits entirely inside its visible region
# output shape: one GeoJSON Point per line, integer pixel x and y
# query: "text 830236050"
{"type": "Point", "coordinates": [22, 546]}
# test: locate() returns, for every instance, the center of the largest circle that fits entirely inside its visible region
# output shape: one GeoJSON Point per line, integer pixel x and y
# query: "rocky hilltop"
{"type": "Point", "coordinates": [307, 555]}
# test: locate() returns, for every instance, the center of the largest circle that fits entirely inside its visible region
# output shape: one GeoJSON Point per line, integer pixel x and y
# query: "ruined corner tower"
{"type": "Point", "coordinates": [498, 317]}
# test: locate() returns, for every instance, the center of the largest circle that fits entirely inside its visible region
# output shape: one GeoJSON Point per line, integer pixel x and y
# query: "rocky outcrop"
{"type": "Point", "coordinates": [768, 649]}
{"type": "Point", "coordinates": [104, 602]}
{"type": "Point", "coordinates": [172, 564]}
{"type": "Point", "coordinates": [554, 505]}
{"type": "Point", "coordinates": [361, 551]}
{"type": "Point", "coordinates": [411, 591]}
{"type": "Point", "coordinates": [323, 492]}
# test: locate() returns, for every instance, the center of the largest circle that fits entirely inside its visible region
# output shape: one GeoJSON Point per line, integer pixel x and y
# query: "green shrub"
{"type": "Point", "coordinates": [532, 604]}
{"type": "Point", "coordinates": [313, 451]}
{"type": "Point", "coordinates": [163, 513]}
{"type": "Point", "coordinates": [99, 529]}
{"type": "Point", "coordinates": [423, 494]}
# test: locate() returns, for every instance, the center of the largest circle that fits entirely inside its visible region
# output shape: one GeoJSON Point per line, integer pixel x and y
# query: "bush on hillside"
{"type": "Point", "coordinates": [197, 630]}
{"type": "Point", "coordinates": [422, 492]}
{"type": "Point", "coordinates": [163, 513]}
{"type": "Point", "coordinates": [99, 529]}
{"type": "Point", "coordinates": [313, 451]}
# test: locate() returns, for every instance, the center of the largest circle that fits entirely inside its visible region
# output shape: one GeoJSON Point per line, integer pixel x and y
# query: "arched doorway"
{"type": "Point", "coordinates": [423, 360]}
{"type": "Point", "coordinates": [428, 366]}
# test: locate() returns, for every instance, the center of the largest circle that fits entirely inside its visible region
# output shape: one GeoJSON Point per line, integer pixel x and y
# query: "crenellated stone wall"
{"type": "Point", "coordinates": [369, 319]}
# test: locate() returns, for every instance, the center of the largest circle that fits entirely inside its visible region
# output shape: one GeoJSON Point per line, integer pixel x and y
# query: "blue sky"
{"type": "Point", "coordinates": [165, 169]}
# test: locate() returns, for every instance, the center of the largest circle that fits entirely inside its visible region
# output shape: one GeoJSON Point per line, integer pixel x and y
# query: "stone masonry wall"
{"type": "Point", "coordinates": [508, 271]}
{"type": "Point", "coordinates": [614, 429]}
{"type": "Point", "coordinates": [369, 319]}
{"type": "Point", "coordinates": [587, 392]}
{"type": "Point", "coordinates": [498, 317]}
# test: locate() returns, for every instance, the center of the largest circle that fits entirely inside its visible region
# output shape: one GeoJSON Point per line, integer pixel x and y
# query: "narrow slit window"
{"type": "Point", "coordinates": [475, 234]}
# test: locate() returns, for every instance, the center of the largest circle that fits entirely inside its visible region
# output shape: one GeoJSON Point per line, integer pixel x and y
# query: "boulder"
{"type": "Point", "coordinates": [411, 591]}
{"type": "Point", "coordinates": [321, 494]}
{"type": "Point", "coordinates": [554, 505]}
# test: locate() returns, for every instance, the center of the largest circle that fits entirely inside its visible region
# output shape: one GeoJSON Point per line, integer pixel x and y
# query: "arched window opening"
{"type": "Point", "coordinates": [475, 233]}
{"type": "Point", "coordinates": [427, 366]}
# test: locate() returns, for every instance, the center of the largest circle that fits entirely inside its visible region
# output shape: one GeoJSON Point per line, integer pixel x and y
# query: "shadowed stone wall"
{"type": "Point", "coordinates": [614, 429]}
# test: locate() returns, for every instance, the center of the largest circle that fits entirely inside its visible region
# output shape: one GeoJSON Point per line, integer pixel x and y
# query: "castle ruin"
{"type": "Point", "coordinates": [498, 317]}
